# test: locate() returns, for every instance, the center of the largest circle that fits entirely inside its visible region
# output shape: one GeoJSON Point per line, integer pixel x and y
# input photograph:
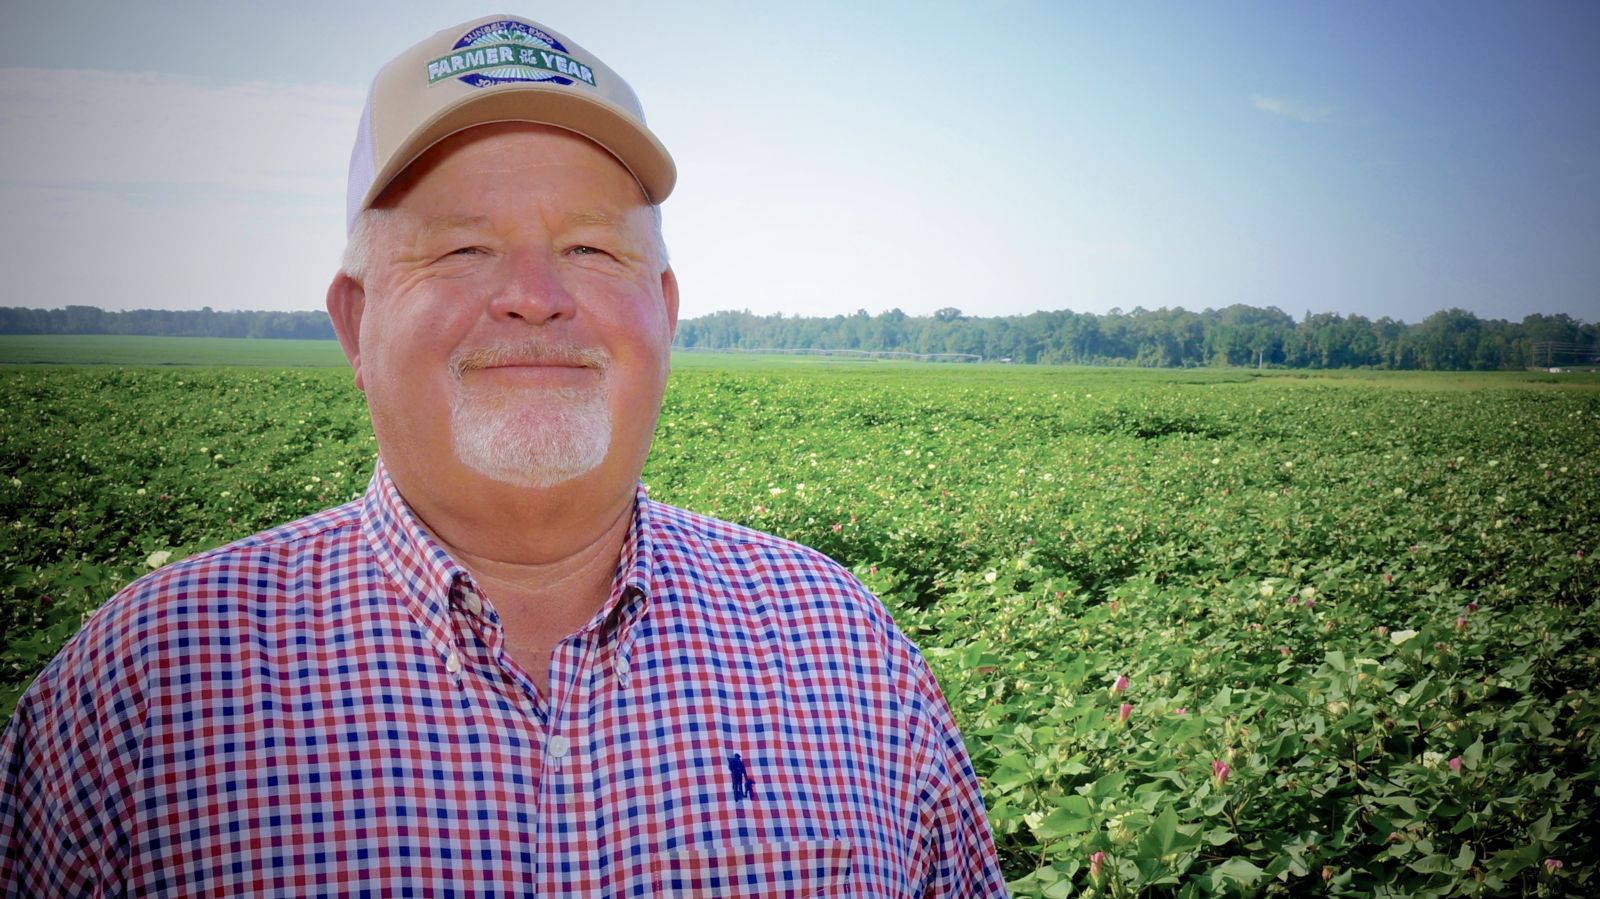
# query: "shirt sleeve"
{"type": "Point", "coordinates": [959, 855]}
{"type": "Point", "coordinates": [67, 760]}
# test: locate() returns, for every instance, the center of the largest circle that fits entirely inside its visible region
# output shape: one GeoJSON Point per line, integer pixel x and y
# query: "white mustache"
{"type": "Point", "coordinates": [463, 361]}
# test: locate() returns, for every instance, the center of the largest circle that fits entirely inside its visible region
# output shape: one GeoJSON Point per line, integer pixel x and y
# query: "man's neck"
{"type": "Point", "coordinates": [553, 552]}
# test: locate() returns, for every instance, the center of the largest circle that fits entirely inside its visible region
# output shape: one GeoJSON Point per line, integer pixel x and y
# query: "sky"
{"type": "Point", "coordinates": [1371, 158]}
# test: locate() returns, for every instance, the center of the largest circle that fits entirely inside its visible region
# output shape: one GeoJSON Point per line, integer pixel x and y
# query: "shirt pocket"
{"type": "Point", "coordinates": [765, 870]}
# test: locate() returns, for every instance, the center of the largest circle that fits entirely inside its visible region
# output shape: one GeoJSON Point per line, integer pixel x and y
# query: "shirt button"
{"type": "Point", "coordinates": [473, 604]}
{"type": "Point", "coordinates": [452, 663]}
{"type": "Point", "coordinates": [558, 746]}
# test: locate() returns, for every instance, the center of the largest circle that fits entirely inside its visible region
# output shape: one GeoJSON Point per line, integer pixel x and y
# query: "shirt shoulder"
{"type": "Point", "coordinates": [268, 568]}
{"type": "Point", "coordinates": [699, 546]}
{"type": "Point", "coordinates": [812, 603]}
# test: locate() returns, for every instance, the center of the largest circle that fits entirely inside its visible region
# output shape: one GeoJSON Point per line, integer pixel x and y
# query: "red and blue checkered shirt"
{"type": "Point", "coordinates": [325, 709]}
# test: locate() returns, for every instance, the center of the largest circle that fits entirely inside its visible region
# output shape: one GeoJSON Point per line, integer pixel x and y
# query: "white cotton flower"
{"type": "Point", "coordinates": [158, 558]}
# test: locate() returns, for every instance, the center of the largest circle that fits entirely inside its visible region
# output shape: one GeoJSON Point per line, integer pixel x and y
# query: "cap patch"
{"type": "Point", "coordinates": [506, 51]}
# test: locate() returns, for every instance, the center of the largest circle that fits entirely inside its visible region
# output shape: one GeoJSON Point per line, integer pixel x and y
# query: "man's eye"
{"type": "Point", "coordinates": [466, 251]}
{"type": "Point", "coordinates": [585, 250]}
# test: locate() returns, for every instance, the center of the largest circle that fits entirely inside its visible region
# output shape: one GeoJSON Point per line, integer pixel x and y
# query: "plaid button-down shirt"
{"type": "Point", "coordinates": [325, 709]}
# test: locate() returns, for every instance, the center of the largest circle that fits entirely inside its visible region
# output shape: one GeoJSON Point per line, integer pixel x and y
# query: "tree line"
{"type": "Point", "coordinates": [1451, 340]}
{"type": "Point", "coordinates": [205, 322]}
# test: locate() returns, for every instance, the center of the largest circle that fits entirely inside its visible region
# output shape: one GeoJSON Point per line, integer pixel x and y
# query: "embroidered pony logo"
{"type": "Point", "coordinates": [743, 785]}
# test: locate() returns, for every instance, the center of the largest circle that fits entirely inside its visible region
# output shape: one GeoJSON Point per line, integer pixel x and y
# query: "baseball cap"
{"type": "Point", "coordinates": [499, 68]}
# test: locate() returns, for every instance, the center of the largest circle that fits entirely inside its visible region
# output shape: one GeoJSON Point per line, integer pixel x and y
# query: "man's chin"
{"type": "Point", "coordinates": [534, 447]}
{"type": "Point", "coordinates": [532, 477]}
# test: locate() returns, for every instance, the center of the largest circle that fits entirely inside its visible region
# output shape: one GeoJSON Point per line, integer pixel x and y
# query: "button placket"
{"type": "Point", "coordinates": [570, 686]}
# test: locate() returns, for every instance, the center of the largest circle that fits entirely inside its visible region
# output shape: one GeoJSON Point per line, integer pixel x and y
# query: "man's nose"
{"type": "Point", "coordinates": [533, 291]}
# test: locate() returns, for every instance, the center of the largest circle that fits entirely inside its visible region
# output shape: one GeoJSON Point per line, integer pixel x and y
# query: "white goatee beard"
{"type": "Point", "coordinates": [530, 438]}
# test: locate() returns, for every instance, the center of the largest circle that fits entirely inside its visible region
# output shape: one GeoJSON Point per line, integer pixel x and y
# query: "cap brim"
{"type": "Point", "coordinates": [597, 119]}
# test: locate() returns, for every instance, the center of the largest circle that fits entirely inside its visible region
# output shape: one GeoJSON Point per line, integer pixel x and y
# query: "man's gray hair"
{"type": "Point", "coordinates": [358, 249]}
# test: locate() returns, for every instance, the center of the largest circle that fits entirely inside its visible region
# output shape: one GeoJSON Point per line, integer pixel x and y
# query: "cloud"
{"type": "Point", "coordinates": [1292, 109]}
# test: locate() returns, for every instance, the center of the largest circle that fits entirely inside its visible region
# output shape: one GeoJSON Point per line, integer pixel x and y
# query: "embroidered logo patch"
{"type": "Point", "coordinates": [505, 51]}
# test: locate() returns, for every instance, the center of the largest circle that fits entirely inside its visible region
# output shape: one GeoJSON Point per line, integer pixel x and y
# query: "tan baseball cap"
{"type": "Point", "coordinates": [499, 68]}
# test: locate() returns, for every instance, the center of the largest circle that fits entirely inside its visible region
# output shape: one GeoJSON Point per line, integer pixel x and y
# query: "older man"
{"type": "Point", "coordinates": [504, 671]}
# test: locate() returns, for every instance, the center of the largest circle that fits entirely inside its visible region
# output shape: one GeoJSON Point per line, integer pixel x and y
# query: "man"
{"type": "Point", "coordinates": [504, 671]}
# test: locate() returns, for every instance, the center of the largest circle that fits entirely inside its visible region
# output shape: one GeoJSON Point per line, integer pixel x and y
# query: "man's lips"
{"type": "Point", "coordinates": [536, 372]}
{"type": "Point", "coordinates": [530, 364]}
{"type": "Point", "coordinates": [536, 362]}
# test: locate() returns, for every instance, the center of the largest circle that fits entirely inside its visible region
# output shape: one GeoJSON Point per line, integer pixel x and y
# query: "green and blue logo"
{"type": "Point", "coordinates": [507, 51]}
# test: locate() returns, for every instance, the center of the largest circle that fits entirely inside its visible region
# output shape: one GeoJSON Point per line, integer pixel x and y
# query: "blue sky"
{"type": "Point", "coordinates": [1001, 157]}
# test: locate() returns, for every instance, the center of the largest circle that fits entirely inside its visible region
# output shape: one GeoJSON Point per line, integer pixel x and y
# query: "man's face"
{"type": "Point", "coordinates": [516, 318]}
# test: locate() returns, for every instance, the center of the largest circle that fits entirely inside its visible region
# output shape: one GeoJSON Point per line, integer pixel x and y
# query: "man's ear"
{"type": "Point", "coordinates": [669, 291]}
{"type": "Point", "coordinates": [347, 299]}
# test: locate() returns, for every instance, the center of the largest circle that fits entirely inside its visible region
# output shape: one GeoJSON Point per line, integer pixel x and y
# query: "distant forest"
{"type": "Point", "coordinates": [1452, 340]}
{"type": "Point", "coordinates": [205, 322]}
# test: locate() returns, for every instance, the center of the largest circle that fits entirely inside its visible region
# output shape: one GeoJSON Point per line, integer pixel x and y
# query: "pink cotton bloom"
{"type": "Point", "coordinates": [1455, 764]}
{"type": "Point", "coordinates": [1552, 865]}
{"type": "Point", "coordinates": [1096, 860]}
{"type": "Point", "coordinates": [1120, 686]}
{"type": "Point", "coordinates": [1461, 622]}
{"type": "Point", "coordinates": [1124, 712]}
{"type": "Point", "coordinates": [1220, 771]}
{"type": "Point", "coordinates": [1180, 710]}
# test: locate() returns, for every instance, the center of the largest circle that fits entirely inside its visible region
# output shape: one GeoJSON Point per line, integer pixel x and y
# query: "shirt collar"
{"type": "Point", "coordinates": [425, 573]}
{"type": "Point", "coordinates": [630, 586]}
{"type": "Point", "coordinates": [408, 554]}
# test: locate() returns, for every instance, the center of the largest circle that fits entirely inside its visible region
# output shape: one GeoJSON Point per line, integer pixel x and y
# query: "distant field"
{"type": "Point", "coordinates": [121, 350]}
{"type": "Point", "coordinates": [117, 349]}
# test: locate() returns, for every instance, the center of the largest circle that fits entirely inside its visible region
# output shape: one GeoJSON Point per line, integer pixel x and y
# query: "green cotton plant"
{"type": "Point", "coordinates": [1205, 634]}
